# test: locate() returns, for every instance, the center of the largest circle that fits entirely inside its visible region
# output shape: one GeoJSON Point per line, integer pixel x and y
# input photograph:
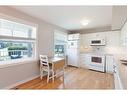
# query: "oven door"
{"type": "Point", "coordinates": [97, 60]}
{"type": "Point", "coordinates": [97, 63]}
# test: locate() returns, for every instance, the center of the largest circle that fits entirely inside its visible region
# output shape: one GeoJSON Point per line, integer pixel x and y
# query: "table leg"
{"type": "Point", "coordinates": [53, 76]}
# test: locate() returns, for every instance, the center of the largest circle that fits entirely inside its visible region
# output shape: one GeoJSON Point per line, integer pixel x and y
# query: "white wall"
{"type": "Point", "coordinates": [13, 74]}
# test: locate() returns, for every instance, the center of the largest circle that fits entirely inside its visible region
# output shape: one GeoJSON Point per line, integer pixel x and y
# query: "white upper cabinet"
{"type": "Point", "coordinates": [112, 38]}
{"type": "Point", "coordinates": [124, 35]}
{"type": "Point", "coordinates": [74, 36]}
{"type": "Point", "coordinates": [100, 35]}
{"type": "Point", "coordinates": [70, 37]}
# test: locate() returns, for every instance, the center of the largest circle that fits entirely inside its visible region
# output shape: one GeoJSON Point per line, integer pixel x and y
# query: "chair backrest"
{"type": "Point", "coordinates": [44, 60]}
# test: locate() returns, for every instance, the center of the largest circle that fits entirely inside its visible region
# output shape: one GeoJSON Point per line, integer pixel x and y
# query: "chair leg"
{"type": "Point", "coordinates": [48, 77]}
{"type": "Point", "coordinates": [41, 75]}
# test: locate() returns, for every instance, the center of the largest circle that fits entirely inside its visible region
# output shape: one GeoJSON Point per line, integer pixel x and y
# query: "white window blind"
{"type": "Point", "coordinates": [14, 29]}
{"type": "Point", "coordinates": [17, 40]}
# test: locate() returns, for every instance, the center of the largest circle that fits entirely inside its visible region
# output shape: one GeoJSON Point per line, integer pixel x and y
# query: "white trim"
{"type": "Point", "coordinates": [16, 38]}
{"type": "Point", "coordinates": [21, 82]}
{"type": "Point", "coordinates": [29, 23]}
{"type": "Point", "coordinates": [60, 32]}
{"type": "Point", "coordinates": [36, 52]}
{"type": "Point", "coordinates": [6, 64]}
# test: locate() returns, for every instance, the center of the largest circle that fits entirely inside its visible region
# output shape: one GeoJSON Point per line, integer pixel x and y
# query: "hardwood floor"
{"type": "Point", "coordinates": [75, 78]}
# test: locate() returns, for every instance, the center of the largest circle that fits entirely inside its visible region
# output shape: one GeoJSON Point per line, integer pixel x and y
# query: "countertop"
{"type": "Point", "coordinates": [95, 53]}
{"type": "Point", "coordinates": [123, 74]}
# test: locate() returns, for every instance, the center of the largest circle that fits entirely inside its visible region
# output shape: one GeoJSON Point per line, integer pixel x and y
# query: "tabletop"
{"type": "Point", "coordinates": [57, 62]}
{"type": "Point", "coordinates": [55, 59]}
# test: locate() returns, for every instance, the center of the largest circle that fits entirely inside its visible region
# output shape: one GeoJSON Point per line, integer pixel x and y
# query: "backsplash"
{"type": "Point", "coordinates": [98, 49]}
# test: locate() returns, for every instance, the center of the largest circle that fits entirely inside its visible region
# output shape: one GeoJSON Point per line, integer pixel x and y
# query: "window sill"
{"type": "Point", "coordinates": [6, 64]}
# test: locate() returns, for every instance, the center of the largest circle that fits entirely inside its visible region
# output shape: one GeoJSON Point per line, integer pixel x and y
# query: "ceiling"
{"type": "Point", "coordinates": [69, 17]}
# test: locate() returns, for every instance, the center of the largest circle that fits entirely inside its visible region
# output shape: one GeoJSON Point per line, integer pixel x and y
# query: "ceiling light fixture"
{"type": "Point", "coordinates": [85, 22]}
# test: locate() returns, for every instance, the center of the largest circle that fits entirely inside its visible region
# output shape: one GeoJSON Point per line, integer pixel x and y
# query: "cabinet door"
{"type": "Point", "coordinates": [70, 37]}
{"type": "Point", "coordinates": [74, 36]}
{"type": "Point", "coordinates": [84, 60]}
{"type": "Point", "coordinates": [109, 63]}
{"type": "Point", "coordinates": [117, 81]}
{"type": "Point", "coordinates": [113, 39]}
{"type": "Point", "coordinates": [87, 60]}
{"type": "Point", "coordinates": [72, 57]}
{"type": "Point", "coordinates": [100, 35]}
{"type": "Point", "coordinates": [124, 35]}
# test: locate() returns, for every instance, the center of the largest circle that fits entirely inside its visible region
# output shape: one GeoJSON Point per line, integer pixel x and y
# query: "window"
{"type": "Point", "coordinates": [60, 41]}
{"type": "Point", "coordinates": [59, 49]}
{"type": "Point", "coordinates": [17, 41]}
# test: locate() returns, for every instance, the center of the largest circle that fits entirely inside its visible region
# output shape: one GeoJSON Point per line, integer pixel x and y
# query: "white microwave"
{"type": "Point", "coordinates": [98, 42]}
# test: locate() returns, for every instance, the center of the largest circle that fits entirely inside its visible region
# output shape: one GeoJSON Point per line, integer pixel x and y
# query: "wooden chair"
{"type": "Point", "coordinates": [44, 66]}
{"type": "Point", "coordinates": [51, 69]}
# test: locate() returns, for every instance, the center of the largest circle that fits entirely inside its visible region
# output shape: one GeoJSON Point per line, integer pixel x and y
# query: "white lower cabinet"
{"type": "Point", "coordinates": [84, 60]}
{"type": "Point", "coordinates": [111, 67]}
{"type": "Point", "coordinates": [117, 81]}
{"type": "Point", "coordinates": [109, 63]}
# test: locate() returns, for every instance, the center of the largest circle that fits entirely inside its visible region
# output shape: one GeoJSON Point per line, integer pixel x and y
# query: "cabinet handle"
{"type": "Point", "coordinates": [114, 66]}
{"type": "Point", "coordinates": [114, 71]}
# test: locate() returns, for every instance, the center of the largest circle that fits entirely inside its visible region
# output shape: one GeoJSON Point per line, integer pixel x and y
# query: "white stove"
{"type": "Point", "coordinates": [97, 62]}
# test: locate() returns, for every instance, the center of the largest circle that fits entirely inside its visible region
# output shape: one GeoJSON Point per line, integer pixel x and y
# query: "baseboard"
{"type": "Point", "coordinates": [21, 82]}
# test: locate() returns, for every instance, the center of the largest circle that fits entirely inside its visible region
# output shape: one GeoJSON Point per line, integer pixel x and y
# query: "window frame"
{"type": "Point", "coordinates": [25, 60]}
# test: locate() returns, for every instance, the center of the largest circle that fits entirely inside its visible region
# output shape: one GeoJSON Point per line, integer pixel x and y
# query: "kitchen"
{"type": "Point", "coordinates": [90, 46]}
{"type": "Point", "coordinates": [102, 51]}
